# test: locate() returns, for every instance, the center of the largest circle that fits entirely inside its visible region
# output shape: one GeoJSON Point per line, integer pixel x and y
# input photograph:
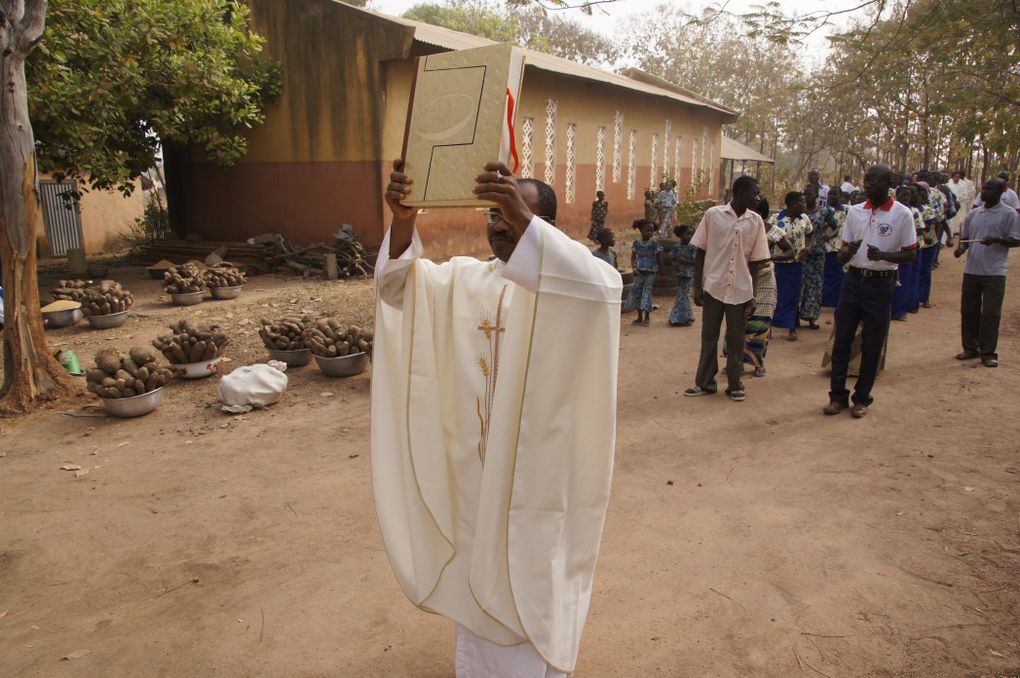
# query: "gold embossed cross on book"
{"type": "Point", "coordinates": [460, 116]}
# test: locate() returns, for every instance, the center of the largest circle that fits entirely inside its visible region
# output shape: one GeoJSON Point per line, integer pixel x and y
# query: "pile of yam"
{"type": "Point", "coordinates": [184, 279]}
{"type": "Point", "coordinates": [103, 298]}
{"type": "Point", "coordinates": [285, 334]}
{"type": "Point", "coordinates": [330, 339]}
{"type": "Point", "coordinates": [191, 343]}
{"type": "Point", "coordinates": [118, 376]}
{"type": "Point", "coordinates": [224, 274]}
{"type": "Point", "coordinates": [70, 290]}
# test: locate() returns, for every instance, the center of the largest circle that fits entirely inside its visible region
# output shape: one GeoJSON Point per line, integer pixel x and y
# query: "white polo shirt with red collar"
{"type": "Point", "coordinates": [889, 227]}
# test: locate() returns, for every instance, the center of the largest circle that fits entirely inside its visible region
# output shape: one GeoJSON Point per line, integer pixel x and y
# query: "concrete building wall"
{"type": "Point", "coordinates": [324, 155]}
{"type": "Point", "coordinates": [314, 164]}
{"type": "Point", "coordinates": [106, 218]}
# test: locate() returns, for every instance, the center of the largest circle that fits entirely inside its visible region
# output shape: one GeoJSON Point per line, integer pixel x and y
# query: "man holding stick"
{"type": "Point", "coordinates": [988, 233]}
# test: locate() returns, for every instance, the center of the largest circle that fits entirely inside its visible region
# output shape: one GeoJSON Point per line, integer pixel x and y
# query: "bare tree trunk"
{"type": "Point", "coordinates": [30, 370]}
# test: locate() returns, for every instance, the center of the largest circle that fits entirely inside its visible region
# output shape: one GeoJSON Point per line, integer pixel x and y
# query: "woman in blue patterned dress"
{"type": "Point", "coordinates": [682, 255]}
{"type": "Point", "coordinates": [645, 259]}
{"type": "Point", "coordinates": [823, 221]}
{"type": "Point", "coordinates": [790, 274]}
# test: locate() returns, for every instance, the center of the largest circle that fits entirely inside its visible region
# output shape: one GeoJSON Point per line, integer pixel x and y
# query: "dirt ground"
{"type": "Point", "coordinates": [743, 539]}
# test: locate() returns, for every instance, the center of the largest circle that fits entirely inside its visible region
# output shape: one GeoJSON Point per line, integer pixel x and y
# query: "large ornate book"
{"type": "Point", "coordinates": [459, 117]}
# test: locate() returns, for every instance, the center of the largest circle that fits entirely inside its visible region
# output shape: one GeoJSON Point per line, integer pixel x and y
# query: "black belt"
{"type": "Point", "coordinates": [872, 273]}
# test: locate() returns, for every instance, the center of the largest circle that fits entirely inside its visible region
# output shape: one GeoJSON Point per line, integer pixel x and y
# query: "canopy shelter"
{"type": "Point", "coordinates": [734, 152]}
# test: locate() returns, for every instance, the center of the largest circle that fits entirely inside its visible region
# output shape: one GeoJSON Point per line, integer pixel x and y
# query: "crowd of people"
{"type": "Point", "coordinates": [484, 513]}
{"type": "Point", "coordinates": [805, 262]}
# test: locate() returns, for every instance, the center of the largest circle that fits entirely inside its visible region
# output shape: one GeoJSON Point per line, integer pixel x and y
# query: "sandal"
{"type": "Point", "coordinates": [989, 362]}
{"type": "Point", "coordinates": [646, 322]}
{"type": "Point", "coordinates": [858, 411]}
{"type": "Point", "coordinates": [966, 355]}
{"type": "Point", "coordinates": [760, 372]}
{"type": "Point", "coordinates": [695, 391]}
{"type": "Point", "coordinates": [636, 321]}
{"type": "Point", "coordinates": [737, 394]}
{"type": "Point", "coordinates": [791, 337]}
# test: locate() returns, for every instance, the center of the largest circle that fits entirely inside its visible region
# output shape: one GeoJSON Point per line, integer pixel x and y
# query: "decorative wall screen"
{"type": "Point", "coordinates": [694, 161]}
{"type": "Point", "coordinates": [528, 148]}
{"type": "Point", "coordinates": [617, 146]}
{"type": "Point", "coordinates": [550, 140]}
{"type": "Point", "coordinates": [653, 163]}
{"type": "Point", "coordinates": [631, 164]}
{"type": "Point", "coordinates": [600, 159]}
{"type": "Point", "coordinates": [676, 161]}
{"type": "Point", "coordinates": [569, 189]}
{"type": "Point", "coordinates": [665, 148]}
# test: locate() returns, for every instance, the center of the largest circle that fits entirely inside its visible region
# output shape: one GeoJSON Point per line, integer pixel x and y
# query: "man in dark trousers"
{"type": "Point", "coordinates": [732, 247]}
{"type": "Point", "coordinates": [992, 229]}
{"type": "Point", "coordinates": [878, 236]}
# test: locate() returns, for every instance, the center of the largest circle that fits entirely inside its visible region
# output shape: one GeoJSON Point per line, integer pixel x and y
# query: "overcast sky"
{"type": "Point", "coordinates": [608, 16]}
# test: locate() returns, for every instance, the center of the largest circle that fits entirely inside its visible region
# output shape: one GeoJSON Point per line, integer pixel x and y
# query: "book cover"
{"type": "Point", "coordinates": [458, 119]}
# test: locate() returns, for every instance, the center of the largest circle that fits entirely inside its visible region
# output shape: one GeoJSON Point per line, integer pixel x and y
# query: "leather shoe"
{"type": "Point", "coordinates": [858, 411]}
{"type": "Point", "coordinates": [834, 408]}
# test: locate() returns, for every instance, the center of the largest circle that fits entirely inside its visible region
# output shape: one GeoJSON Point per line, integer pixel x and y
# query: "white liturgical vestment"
{"type": "Point", "coordinates": [493, 428]}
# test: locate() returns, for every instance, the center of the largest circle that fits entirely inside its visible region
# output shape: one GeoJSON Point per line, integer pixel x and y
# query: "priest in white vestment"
{"type": "Point", "coordinates": [493, 427]}
{"type": "Point", "coordinates": [963, 189]}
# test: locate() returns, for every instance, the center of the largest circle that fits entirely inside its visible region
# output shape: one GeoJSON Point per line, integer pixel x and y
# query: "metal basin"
{"type": "Point", "coordinates": [187, 299]}
{"type": "Point", "coordinates": [232, 292]}
{"type": "Point", "coordinates": [197, 370]}
{"type": "Point", "coordinates": [343, 366]}
{"type": "Point", "coordinates": [297, 358]}
{"type": "Point", "coordinates": [135, 406]}
{"type": "Point", "coordinates": [105, 322]}
{"type": "Point", "coordinates": [62, 318]}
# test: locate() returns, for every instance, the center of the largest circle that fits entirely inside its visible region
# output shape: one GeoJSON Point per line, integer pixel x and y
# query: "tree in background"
{"type": "Point", "coordinates": [30, 371]}
{"type": "Point", "coordinates": [529, 26]}
{"type": "Point", "coordinates": [113, 80]}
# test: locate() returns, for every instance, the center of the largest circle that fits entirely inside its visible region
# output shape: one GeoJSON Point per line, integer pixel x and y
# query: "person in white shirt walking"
{"type": "Point", "coordinates": [847, 186]}
{"type": "Point", "coordinates": [988, 234]}
{"type": "Point", "coordinates": [1009, 196]}
{"type": "Point", "coordinates": [878, 236]}
{"type": "Point", "coordinates": [732, 247]}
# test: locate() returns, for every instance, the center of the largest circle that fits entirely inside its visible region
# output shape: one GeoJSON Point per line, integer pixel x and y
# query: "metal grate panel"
{"type": "Point", "coordinates": [61, 219]}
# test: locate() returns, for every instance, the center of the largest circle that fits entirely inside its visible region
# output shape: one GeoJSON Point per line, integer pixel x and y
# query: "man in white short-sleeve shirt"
{"type": "Point", "coordinates": [878, 236]}
{"type": "Point", "coordinates": [731, 246]}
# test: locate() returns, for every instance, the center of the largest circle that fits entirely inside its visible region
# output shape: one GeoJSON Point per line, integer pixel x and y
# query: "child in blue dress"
{"type": "Point", "coordinates": [606, 239]}
{"type": "Point", "coordinates": [682, 255]}
{"type": "Point", "coordinates": [645, 259]}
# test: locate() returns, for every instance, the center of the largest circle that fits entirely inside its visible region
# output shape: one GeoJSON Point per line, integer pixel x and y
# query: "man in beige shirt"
{"type": "Point", "coordinates": [732, 247]}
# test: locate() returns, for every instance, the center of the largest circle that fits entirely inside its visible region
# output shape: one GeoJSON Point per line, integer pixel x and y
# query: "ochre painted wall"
{"type": "Point", "coordinates": [106, 218]}
{"type": "Point", "coordinates": [314, 164]}
{"type": "Point", "coordinates": [323, 157]}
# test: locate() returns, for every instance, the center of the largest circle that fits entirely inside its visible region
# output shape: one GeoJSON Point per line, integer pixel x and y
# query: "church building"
{"type": "Point", "coordinates": [323, 156]}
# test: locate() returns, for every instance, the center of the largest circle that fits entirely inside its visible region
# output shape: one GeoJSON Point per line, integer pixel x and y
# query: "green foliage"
{"type": "Point", "coordinates": [528, 26]}
{"type": "Point", "coordinates": [114, 77]}
{"type": "Point", "coordinates": [690, 209]}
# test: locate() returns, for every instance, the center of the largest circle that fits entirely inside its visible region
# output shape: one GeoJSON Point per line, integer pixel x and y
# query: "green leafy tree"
{"type": "Point", "coordinates": [112, 80]}
{"type": "Point", "coordinates": [116, 78]}
{"type": "Point", "coordinates": [529, 26]}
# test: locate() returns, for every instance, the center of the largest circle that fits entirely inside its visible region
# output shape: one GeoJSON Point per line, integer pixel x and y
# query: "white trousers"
{"type": "Point", "coordinates": [480, 658]}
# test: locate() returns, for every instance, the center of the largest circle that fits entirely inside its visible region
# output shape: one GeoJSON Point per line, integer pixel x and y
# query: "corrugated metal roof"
{"type": "Point", "coordinates": [734, 150]}
{"type": "Point", "coordinates": [450, 39]}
